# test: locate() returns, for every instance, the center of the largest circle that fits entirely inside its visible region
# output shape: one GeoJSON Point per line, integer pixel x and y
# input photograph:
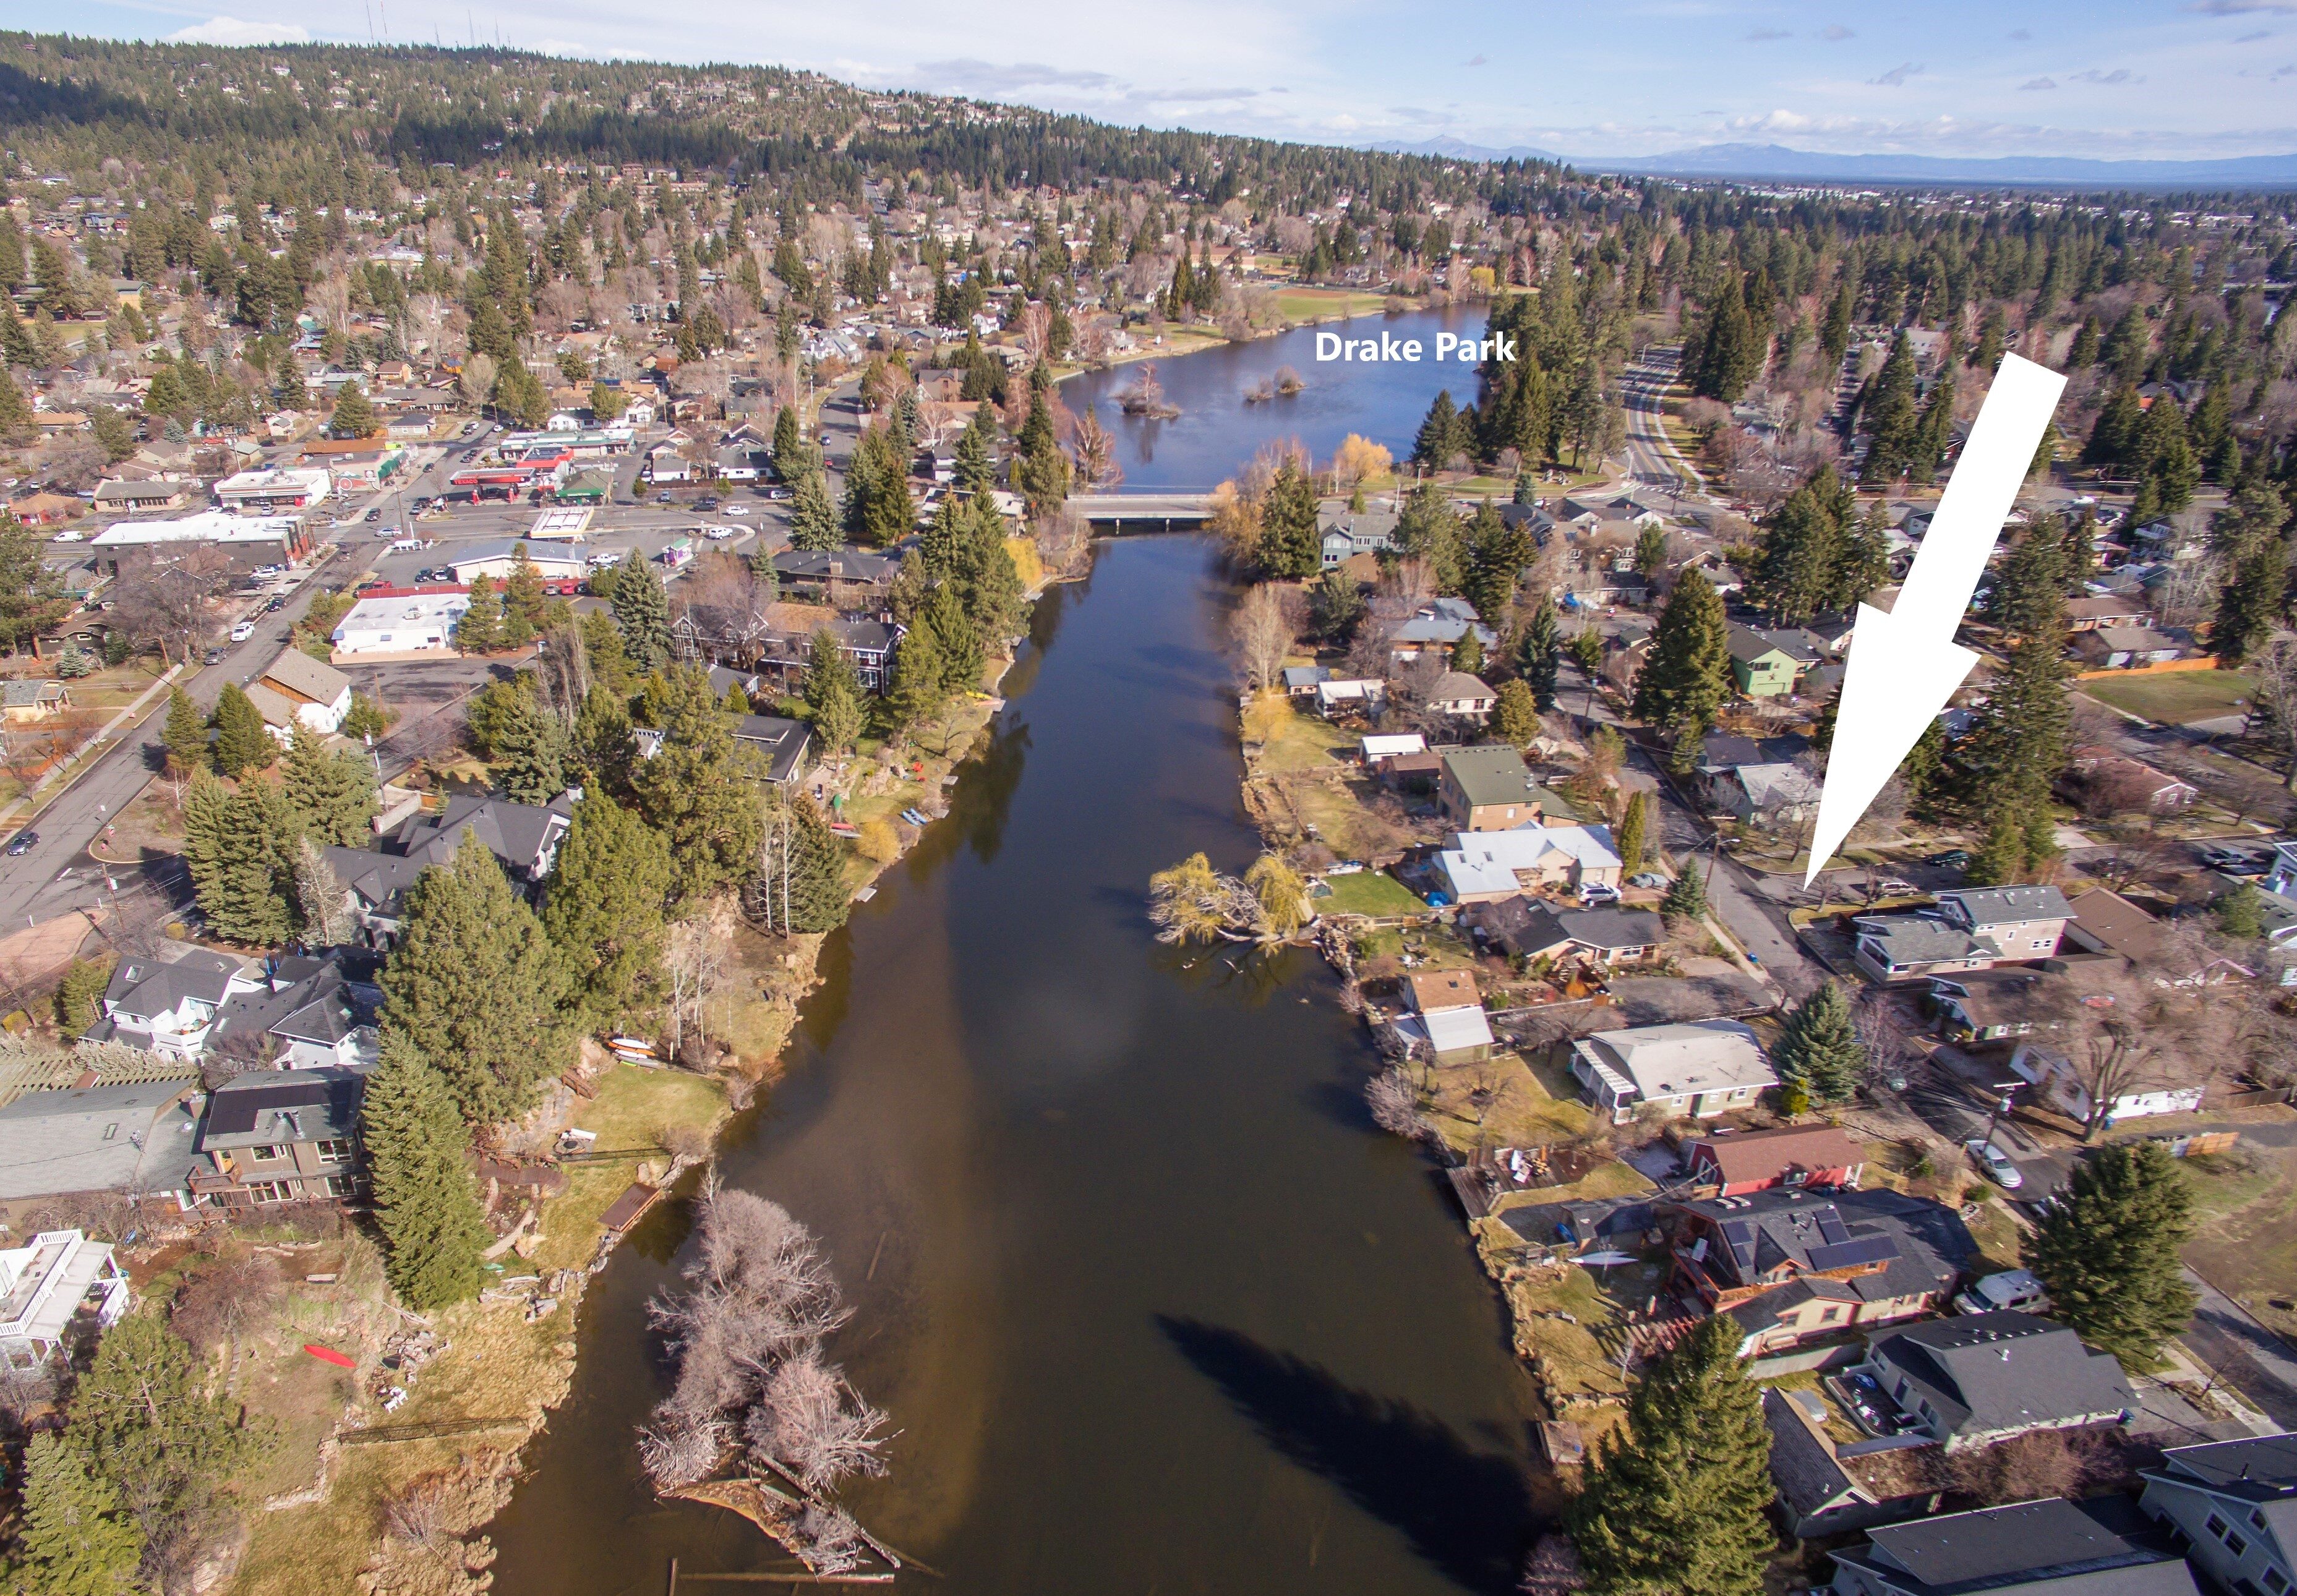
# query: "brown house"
{"type": "Point", "coordinates": [280, 1136]}
{"type": "Point", "coordinates": [1793, 1155]}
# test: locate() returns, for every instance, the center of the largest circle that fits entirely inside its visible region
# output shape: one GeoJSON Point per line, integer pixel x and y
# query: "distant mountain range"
{"type": "Point", "coordinates": [1776, 160]}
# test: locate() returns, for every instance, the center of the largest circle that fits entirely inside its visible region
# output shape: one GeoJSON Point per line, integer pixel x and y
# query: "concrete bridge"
{"type": "Point", "coordinates": [1143, 511]}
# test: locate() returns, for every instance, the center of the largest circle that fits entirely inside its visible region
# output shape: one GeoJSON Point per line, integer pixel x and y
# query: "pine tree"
{"type": "Point", "coordinates": [523, 600]}
{"type": "Point", "coordinates": [1730, 358]}
{"type": "Point", "coordinates": [478, 629]}
{"type": "Point", "coordinates": [956, 641]}
{"type": "Point", "coordinates": [354, 415]}
{"type": "Point", "coordinates": [1893, 420]}
{"type": "Point", "coordinates": [1515, 717]}
{"type": "Point", "coordinates": [1540, 655]}
{"type": "Point", "coordinates": [1687, 678]}
{"type": "Point", "coordinates": [77, 1535]}
{"type": "Point", "coordinates": [789, 450]}
{"type": "Point", "coordinates": [240, 743]}
{"type": "Point", "coordinates": [529, 747]}
{"type": "Point", "coordinates": [833, 694]}
{"type": "Point", "coordinates": [2247, 533]}
{"type": "Point", "coordinates": [1675, 1507]}
{"type": "Point", "coordinates": [814, 519]}
{"type": "Point", "coordinates": [603, 911]}
{"type": "Point", "coordinates": [332, 790]}
{"type": "Point", "coordinates": [2113, 436]}
{"type": "Point", "coordinates": [1497, 554]}
{"type": "Point", "coordinates": [1290, 547]}
{"type": "Point", "coordinates": [1635, 827]}
{"type": "Point", "coordinates": [2015, 752]}
{"type": "Point", "coordinates": [698, 789]}
{"type": "Point", "coordinates": [919, 690]}
{"type": "Point", "coordinates": [1434, 446]}
{"type": "Point", "coordinates": [1818, 1048]}
{"type": "Point", "coordinates": [2000, 857]}
{"type": "Point", "coordinates": [433, 1231]}
{"type": "Point", "coordinates": [207, 802]}
{"type": "Point", "coordinates": [144, 1419]}
{"type": "Point", "coordinates": [1686, 895]}
{"type": "Point", "coordinates": [642, 613]}
{"type": "Point", "coordinates": [185, 735]}
{"type": "Point", "coordinates": [800, 885]}
{"type": "Point", "coordinates": [977, 454]}
{"type": "Point", "coordinates": [251, 896]}
{"type": "Point", "coordinates": [2108, 1251]}
{"type": "Point", "coordinates": [476, 986]}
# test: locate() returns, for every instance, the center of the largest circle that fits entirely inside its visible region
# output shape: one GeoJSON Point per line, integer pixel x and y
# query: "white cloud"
{"type": "Point", "coordinates": [231, 30]}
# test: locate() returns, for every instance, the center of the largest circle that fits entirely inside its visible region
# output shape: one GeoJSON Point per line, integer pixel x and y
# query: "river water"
{"type": "Point", "coordinates": [1152, 1304]}
{"type": "Point", "coordinates": [1217, 431]}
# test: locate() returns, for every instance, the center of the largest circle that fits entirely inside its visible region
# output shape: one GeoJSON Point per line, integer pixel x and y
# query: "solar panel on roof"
{"type": "Point", "coordinates": [1862, 1249]}
{"type": "Point", "coordinates": [1831, 1229]}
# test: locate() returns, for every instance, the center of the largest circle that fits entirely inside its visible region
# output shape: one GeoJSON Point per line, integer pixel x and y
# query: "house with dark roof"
{"type": "Point", "coordinates": [1973, 1005]}
{"type": "Point", "coordinates": [524, 837]}
{"type": "Point", "coordinates": [1983, 1377]}
{"type": "Point", "coordinates": [298, 690]}
{"type": "Point", "coordinates": [286, 1136]}
{"type": "Point", "coordinates": [1489, 788]}
{"type": "Point", "coordinates": [1788, 1265]}
{"type": "Point", "coordinates": [1803, 1157]}
{"type": "Point", "coordinates": [2106, 922]}
{"type": "Point", "coordinates": [308, 1015]}
{"type": "Point", "coordinates": [2098, 1548]}
{"type": "Point", "coordinates": [1761, 666]}
{"type": "Point", "coordinates": [168, 1007]}
{"type": "Point", "coordinates": [2017, 921]}
{"type": "Point", "coordinates": [1347, 533]}
{"type": "Point", "coordinates": [1532, 931]}
{"type": "Point", "coordinates": [2231, 1507]}
{"type": "Point", "coordinates": [1914, 947]}
{"type": "Point", "coordinates": [1828, 1486]}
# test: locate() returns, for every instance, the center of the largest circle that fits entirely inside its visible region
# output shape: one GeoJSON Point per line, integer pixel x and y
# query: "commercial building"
{"type": "Point", "coordinates": [275, 489]}
{"type": "Point", "coordinates": [412, 623]}
{"type": "Point", "coordinates": [260, 538]}
{"type": "Point", "coordinates": [553, 564]}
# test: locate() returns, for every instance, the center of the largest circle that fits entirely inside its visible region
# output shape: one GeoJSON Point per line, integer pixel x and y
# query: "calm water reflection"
{"type": "Point", "coordinates": [1152, 1305]}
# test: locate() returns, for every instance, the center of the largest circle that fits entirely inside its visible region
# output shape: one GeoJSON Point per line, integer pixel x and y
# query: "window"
{"type": "Point", "coordinates": [2236, 1545]}
{"type": "Point", "coordinates": [263, 1154]}
{"type": "Point", "coordinates": [342, 1186]}
{"type": "Point", "coordinates": [2257, 1518]}
{"type": "Point", "coordinates": [2275, 1581]}
{"type": "Point", "coordinates": [266, 1191]}
{"type": "Point", "coordinates": [2216, 1526]}
{"type": "Point", "coordinates": [335, 1151]}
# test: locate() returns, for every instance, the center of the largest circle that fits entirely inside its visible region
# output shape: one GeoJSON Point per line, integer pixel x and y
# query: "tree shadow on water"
{"type": "Point", "coordinates": [1464, 1510]}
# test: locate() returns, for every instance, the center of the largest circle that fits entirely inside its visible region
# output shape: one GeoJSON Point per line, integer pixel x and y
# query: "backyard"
{"type": "Point", "coordinates": [2174, 697]}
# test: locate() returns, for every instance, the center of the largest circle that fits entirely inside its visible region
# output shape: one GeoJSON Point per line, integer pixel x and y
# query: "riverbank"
{"type": "Point", "coordinates": [395, 1501]}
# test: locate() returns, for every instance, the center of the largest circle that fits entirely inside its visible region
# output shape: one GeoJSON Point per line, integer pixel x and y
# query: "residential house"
{"type": "Point", "coordinates": [1766, 794]}
{"type": "Point", "coordinates": [133, 1139]}
{"type": "Point", "coordinates": [1441, 623]}
{"type": "Point", "coordinates": [2125, 647]}
{"type": "Point", "coordinates": [2166, 1082]}
{"type": "Point", "coordinates": [2106, 922]}
{"type": "Point", "coordinates": [297, 690]}
{"type": "Point", "coordinates": [1300, 681]}
{"type": "Point", "coordinates": [2232, 1508]}
{"type": "Point", "coordinates": [780, 743]}
{"type": "Point", "coordinates": [308, 1015]}
{"type": "Point", "coordinates": [2131, 612]}
{"type": "Point", "coordinates": [1827, 1487]}
{"type": "Point", "coordinates": [1760, 668]}
{"type": "Point", "coordinates": [167, 1007]}
{"type": "Point", "coordinates": [2051, 1547]}
{"type": "Point", "coordinates": [848, 577]}
{"type": "Point", "coordinates": [1483, 866]}
{"type": "Point", "coordinates": [142, 499]}
{"type": "Point", "coordinates": [1983, 1377]}
{"type": "Point", "coordinates": [1533, 931]}
{"type": "Point", "coordinates": [25, 703]}
{"type": "Point", "coordinates": [1447, 1016]}
{"type": "Point", "coordinates": [1788, 1265]}
{"type": "Point", "coordinates": [2281, 876]}
{"type": "Point", "coordinates": [45, 509]}
{"type": "Point", "coordinates": [280, 1136]}
{"type": "Point", "coordinates": [1488, 788]}
{"type": "Point", "coordinates": [2115, 781]}
{"type": "Point", "coordinates": [1983, 1006]}
{"type": "Point", "coordinates": [1378, 749]}
{"type": "Point", "coordinates": [1696, 1071]}
{"type": "Point", "coordinates": [1723, 752]}
{"type": "Point", "coordinates": [1462, 696]}
{"type": "Point", "coordinates": [1799, 1156]}
{"type": "Point", "coordinates": [58, 1285]}
{"type": "Point", "coordinates": [2017, 921]}
{"type": "Point", "coordinates": [1348, 533]}
{"type": "Point", "coordinates": [1912, 946]}
{"type": "Point", "coordinates": [1361, 695]}
{"type": "Point", "coordinates": [524, 837]}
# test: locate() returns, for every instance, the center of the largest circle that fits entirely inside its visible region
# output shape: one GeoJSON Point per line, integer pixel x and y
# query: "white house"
{"type": "Point", "coordinates": [1483, 866]}
{"type": "Point", "coordinates": [48, 1283]}
{"type": "Point", "coordinates": [2153, 1091]}
{"type": "Point", "coordinates": [168, 1007]}
{"type": "Point", "coordinates": [298, 690]}
{"type": "Point", "coordinates": [1462, 696]}
{"type": "Point", "coordinates": [1697, 1070]}
{"type": "Point", "coordinates": [1365, 695]}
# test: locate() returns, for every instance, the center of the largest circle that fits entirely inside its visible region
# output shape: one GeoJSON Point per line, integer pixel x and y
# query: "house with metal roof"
{"type": "Point", "coordinates": [1983, 1377]}
{"type": "Point", "coordinates": [2232, 1506]}
{"type": "Point", "coordinates": [1695, 1070]}
{"type": "Point", "coordinates": [2096, 1548]}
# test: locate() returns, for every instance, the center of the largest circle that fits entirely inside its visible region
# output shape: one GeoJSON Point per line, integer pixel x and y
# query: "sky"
{"type": "Point", "coordinates": [2180, 79]}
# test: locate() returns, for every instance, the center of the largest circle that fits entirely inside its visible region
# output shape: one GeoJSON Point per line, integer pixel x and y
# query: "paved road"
{"type": "Point", "coordinates": [2252, 1359]}
{"type": "Point", "coordinates": [1657, 467]}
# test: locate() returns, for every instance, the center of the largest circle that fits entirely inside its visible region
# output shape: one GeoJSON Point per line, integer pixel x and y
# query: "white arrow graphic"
{"type": "Point", "coordinates": [1904, 663]}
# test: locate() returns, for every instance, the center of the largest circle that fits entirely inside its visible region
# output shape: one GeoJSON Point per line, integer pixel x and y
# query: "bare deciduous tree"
{"type": "Point", "coordinates": [1263, 630]}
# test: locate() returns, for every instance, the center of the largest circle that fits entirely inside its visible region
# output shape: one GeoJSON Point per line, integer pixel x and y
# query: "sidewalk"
{"type": "Point", "coordinates": [93, 749]}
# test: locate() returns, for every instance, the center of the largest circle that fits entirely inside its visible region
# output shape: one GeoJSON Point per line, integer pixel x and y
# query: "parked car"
{"type": "Point", "coordinates": [778, 495]}
{"type": "Point", "coordinates": [2012, 1289]}
{"type": "Point", "coordinates": [718, 534]}
{"type": "Point", "coordinates": [265, 574]}
{"type": "Point", "coordinates": [664, 499]}
{"type": "Point", "coordinates": [1595, 892]}
{"type": "Point", "coordinates": [1894, 886]}
{"type": "Point", "coordinates": [1650, 879]}
{"type": "Point", "coordinates": [22, 842]}
{"type": "Point", "coordinates": [374, 515]}
{"type": "Point", "coordinates": [737, 509]}
{"type": "Point", "coordinates": [1953, 858]}
{"type": "Point", "coordinates": [68, 536]}
{"type": "Point", "coordinates": [1997, 1164]}
{"type": "Point", "coordinates": [214, 657]}
{"type": "Point", "coordinates": [275, 606]}
{"type": "Point", "coordinates": [242, 631]}
{"type": "Point", "coordinates": [2233, 861]}
{"type": "Point", "coordinates": [708, 501]}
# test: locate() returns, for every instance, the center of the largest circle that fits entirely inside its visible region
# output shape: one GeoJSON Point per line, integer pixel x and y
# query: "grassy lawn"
{"type": "Point", "coordinates": [2174, 697]}
{"type": "Point", "coordinates": [1369, 892]}
{"type": "Point", "coordinates": [1299, 304]}
{"type": "Point", "coordinates": [1292, 741]}
{"type": "Point", "coordinates": [2243, 1243]}
{"type": "Point", "coordinates": [1340, 818]}
{"type": "Point", "coordinates": [1523, 1112]}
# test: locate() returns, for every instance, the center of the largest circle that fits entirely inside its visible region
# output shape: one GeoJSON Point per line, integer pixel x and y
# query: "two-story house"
{"type": "Point", "coordinates": [524, 837]}
{"type": "Point", "coordinates": [296, 690]}
{"type": "Point", "coordinates": [1982, 1378]}
{"type": "Point", "coordinates": [283, 1136]}
{"type": "Point", "coordinates": [1347, 533]}
{"type": "Point", "coordinates": [1760, 667]}
{"type": "Point", "coordinates": [1788, 1266]}
{"type": "Point", "coordinates": [168, 1007]}
{"type": "Point", "coordinates": [2019, 923]}
{"type": "Point", "coordinates": [308, 1015]}
{"type": "Point", "coordinates": [1810, 1157]}
{"type": "Point", "coordinates": [58, 1280]}
{"type": "Point", "coordinates": [2232, 1506]}
{"type": "Point", "coordinates": [1489, 788]}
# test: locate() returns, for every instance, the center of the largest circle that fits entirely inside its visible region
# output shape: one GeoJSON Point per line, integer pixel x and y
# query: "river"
{"type": "Point", "coordinates": [1216, 431]}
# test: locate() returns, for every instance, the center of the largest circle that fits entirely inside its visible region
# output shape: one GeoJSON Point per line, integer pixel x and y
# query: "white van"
{"type": "Point", "coordinates": [406, 545]}
{"type": "Point", "coordinates": [2012, 1289]}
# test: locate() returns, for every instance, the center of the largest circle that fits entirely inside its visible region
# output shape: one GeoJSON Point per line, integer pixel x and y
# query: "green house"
{"type": "Point", "coordinates": [1760, 667]}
